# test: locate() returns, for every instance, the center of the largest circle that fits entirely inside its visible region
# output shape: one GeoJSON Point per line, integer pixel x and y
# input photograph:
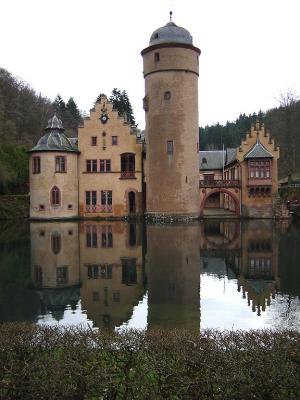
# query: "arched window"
{"type": "Point", "coordinates": [127, 165]}
{"type": "Point", "coordinates": [55, 196]}
{"type": "Point", "coordinates": [55, 242]}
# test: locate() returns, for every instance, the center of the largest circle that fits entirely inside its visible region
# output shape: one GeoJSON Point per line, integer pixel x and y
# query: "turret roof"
{"type": "Point", "coordinates": [54, 138]}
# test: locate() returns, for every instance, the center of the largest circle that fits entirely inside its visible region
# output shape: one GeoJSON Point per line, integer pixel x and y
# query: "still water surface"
{"type": "Point", "coordinates": [214, 274]}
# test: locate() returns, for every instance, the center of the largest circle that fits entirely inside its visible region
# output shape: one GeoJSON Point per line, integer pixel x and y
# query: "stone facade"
{"type": "Point", "coordinates": [242, 181]}
{"type": "Point", "coordinates": [171, 105]}
{"type": "Point", "coordinates": [107, 143]}
{"type": "Point", "coordinates": [41, 185]}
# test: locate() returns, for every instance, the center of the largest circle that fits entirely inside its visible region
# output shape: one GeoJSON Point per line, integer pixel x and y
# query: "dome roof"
{"type": "Point", "coordinates": [171, 33]}
{"type": "Point", "coordinates": [54, 139]}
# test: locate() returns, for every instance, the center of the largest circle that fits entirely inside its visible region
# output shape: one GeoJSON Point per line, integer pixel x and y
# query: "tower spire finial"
{"type": "Point", "coordinates": [171, 13]}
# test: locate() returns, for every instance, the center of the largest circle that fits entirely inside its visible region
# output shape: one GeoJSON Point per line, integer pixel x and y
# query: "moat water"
{"type": "Point", "coordinates": [213, 274]}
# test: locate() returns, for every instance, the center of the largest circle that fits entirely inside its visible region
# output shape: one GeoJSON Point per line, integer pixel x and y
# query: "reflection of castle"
{"type": "Point", "coordinates": [107, 265]}
{"type": "Point", "coordinates": [55, 265]}
{"type": "Point", "coordinates": [104, 260]}
{"type": "Point", "coordinates": [250, 255]}
{"type": "Point", "coordinates": [173, 274]}
{"type": "Point", "coordinates": [111, 271]}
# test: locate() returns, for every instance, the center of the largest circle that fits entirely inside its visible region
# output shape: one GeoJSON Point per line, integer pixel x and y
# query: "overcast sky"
{"type": "Point", "coordinates": [250, 49]}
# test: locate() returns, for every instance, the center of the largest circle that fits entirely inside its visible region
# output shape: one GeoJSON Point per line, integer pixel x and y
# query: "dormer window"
{"type": "Point", "coordinates": [204, 160]}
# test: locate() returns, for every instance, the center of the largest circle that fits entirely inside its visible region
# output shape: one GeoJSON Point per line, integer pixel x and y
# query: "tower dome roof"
{"type": "Point", "coordinates": [171, 33]}
{"type": "Point", "coordinates": [54, 138]}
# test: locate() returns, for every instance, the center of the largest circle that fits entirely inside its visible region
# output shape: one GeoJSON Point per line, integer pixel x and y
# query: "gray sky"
{"type": "Point", "coordinates": [250, 49]}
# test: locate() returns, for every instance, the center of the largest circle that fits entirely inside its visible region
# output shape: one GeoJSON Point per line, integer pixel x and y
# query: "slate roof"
{"type": "Point", "coordinates": [54, 138]}
{"type": "Point", "coordinates": [258, 151]}
{"type": "Point", "coordinates": [212, 159]}
{"type": "Point", "coordinates": [170, 33]}
{"type": "Point", "coordinates": [230, 155]}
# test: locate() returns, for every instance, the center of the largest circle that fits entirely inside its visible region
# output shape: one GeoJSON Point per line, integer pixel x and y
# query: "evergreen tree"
{"type": "Point", "coordinates": [122, 104]}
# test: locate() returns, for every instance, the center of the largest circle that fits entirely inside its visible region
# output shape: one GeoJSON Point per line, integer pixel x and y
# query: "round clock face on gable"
{"type": "Point", "coordinates": [104, 118]}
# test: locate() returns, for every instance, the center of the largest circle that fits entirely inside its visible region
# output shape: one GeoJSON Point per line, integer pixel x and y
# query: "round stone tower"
{"type": "Point", "coordinates": [172, 139]}
{"type": "Point", "coordinates": [53, 175]}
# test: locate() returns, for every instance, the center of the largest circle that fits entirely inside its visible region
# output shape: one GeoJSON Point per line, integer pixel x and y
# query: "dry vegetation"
{"type": "Point", "coordinates": [50, 363]}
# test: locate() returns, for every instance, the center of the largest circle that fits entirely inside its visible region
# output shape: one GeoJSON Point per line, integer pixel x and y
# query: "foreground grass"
{"type": "Point", "coordinates": [50, 363]}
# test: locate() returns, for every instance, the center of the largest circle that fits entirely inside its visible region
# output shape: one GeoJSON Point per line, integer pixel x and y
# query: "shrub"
{"type": "Point", "coordinates": [54, 363]}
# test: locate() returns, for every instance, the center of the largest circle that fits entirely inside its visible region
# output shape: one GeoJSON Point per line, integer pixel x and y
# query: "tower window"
{"type": "Point", "coordinates": [156, 57]}
{"type": "Point", "coordinates": [170, 147]}
{"type": "Point", "coordinates": [55, 196]}
{"type": "Point", "coordinates": [167, 95]}
{"type": "Point", "coordinates": [114, 140]}
{"type": "Point", "coordinates": [60, 164]}
{"type": "Point", "coordinates": [36, 165]}
{"type": "Point", "coordinates": [94, 141]}
{"type": "Point", "coordinates": [56, 242]}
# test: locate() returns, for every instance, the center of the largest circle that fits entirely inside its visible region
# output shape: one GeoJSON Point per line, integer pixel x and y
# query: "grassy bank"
{"type": "Point", "coordinates": [48, 363]}
{"type": "Point", "coordinates": [14, 206]}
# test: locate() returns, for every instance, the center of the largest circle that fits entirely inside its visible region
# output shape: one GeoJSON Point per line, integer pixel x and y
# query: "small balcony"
{"type": "Point", "coordinates": [212, 183]}
{"type": "Point", "coordinates": [127, 175]}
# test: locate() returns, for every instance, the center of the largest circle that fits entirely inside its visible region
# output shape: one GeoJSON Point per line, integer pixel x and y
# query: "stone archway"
{"type": "Point", "coordinates": [224, 191]}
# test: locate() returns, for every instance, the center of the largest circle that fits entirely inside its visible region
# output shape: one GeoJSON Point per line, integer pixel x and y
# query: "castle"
{"type": "Point", "coordinates": [111, 172]}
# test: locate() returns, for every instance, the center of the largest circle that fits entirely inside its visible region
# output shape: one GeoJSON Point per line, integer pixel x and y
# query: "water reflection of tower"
{"type": "Point", "coordinates": [111, 271]}
{"type": "Point", "coordinates": [55, 265]}
{"type": "Point", "coordinates": [258, 275]}
{"type": "Point", "coordinates": [173, 275]}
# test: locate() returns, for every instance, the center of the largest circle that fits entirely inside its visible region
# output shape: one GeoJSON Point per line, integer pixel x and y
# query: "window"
{"type": "Point", "coordinates": [114, 140]}
{"type": "Point", "coordinates": [127, 165]}
{"type": "Point", "coordinates": [36, 165]}
{"type": "Point", "coordinates": [41, 207]}
{"type": "Point", "coordinates": [60, 164]}
{"type": "Point", "coordinates": [259, 169]}
{"type": "Point", "coordinates": [91, 236]}
{"type": "Point", "coordinates": [91, 201]}
{"type": "Point", "coordinates": [91, 165]}
{"type": "Point", "coordinates": [116, 297]}
{"type": "Point", "coordinates": [170, 147]}
{"type": "Point", "coordinates": [96, 271]}
{"type": "Point", "coordinates": [38, 275]}
{"type": "Point", "coordinates": [62, 275]}
{"type": "Point", "coordinates": [96, 296]}
{"type": "Point", "coordinates": [129, 271]}
{"type": "Point", "coordinates": [106, 271]}
{"type": "Point", "coordinates": [56, 242]}
{"type": "Point", "coordinates": [167, 95]}
{"type": "Point", "coordinates": [106, 200]}
{"type": "Point", "coordinates": [209, 177]}
{"type": "Point", "coordinates": [156, 56]}
{"type": "Point", "coordinates": [55, 196]}
{"type": "Point", "coordinates": [91, 198]}
{"type": "Point", "coordinates": [107, 237]}
{"type": "Point", "coordinates": [105, 166]}
{"type": "Point", "coordinates": [93, 271]}
{"type": "Point", "coordinates": [94, 141]}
